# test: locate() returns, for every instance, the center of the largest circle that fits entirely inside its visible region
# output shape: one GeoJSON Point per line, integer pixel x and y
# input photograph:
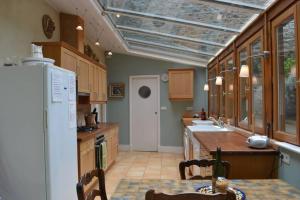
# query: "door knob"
{"type": "Point", "coordinates": [156, 113]}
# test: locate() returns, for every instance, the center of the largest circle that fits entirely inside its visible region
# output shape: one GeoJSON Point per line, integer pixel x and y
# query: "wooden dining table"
{"type": "Point", "coordinates": [265, 189]}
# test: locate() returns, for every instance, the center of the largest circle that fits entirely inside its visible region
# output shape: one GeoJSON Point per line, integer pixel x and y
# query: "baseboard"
{"type": "Point", "coordinates": [170, 149]}
{"type": "Point", "coordinates": [123, 147]}
{"type": "Point", "coordinates": [164, 149]}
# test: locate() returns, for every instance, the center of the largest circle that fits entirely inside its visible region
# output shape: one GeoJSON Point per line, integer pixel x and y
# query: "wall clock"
{"type": "Point", "coordinates": [164, 77]}
{"type": "Point", "coordinates": [48, 26]}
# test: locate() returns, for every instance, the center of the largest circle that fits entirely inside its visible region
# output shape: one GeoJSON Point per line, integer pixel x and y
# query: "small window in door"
{"type": "Point", "coordinates": [144, 92]}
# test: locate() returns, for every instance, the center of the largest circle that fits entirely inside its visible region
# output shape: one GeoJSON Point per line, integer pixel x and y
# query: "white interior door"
{"type": "Point", "coordinates": [144, 112]}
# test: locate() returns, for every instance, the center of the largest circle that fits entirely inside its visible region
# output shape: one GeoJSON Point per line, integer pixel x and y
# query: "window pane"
{"type": "Point", "coordinates": [244, 91]}
{"type": "Point", "coordinates": [229, 87]}
{"type": "Point", "coordinates": [213, 93]}
{"type": "Point", "coordinates": [257, 84]}
{"type": "Point", "coordinates": [286, 76]}
{"type": "Point", "coordinates": [222, 93]}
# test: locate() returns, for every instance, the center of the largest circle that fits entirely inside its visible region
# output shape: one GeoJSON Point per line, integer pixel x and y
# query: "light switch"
{"type": "Point", "coordinates": [188, 108]}
{"type": "Point", "coordinates": [163, 108]}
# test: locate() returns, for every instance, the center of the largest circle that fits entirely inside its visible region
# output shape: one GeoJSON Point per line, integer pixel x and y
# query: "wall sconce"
{"type": "Point", "coordinates": [219, 80]}
{"type": "Point", "coordinates": [206, 87]}
{"type": "Point", "coordinates": [244, 72]}
{"type": "Point", "coordinates": [79, 28]}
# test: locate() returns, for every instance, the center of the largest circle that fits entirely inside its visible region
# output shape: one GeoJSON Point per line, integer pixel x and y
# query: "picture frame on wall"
{"type": "Point", "coordinates": [116, 90]}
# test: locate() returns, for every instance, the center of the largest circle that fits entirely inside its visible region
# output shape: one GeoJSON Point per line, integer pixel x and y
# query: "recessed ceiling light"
{"type": "Point", "coordinates": [118, 15]}
{"type": "Point", "coordinates": [97, 43]}
{"type": "Point", "coordinates": [109, 53]}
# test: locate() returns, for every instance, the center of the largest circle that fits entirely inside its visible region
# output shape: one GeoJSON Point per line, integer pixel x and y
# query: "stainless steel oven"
{"type": "Point", "coordinates": [101, 152]}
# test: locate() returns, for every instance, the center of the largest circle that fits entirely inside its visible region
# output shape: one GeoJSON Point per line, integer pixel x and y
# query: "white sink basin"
{"type": "Point", "coordinates": [208, 129]}
{"type": "Point", "coordinates": [200, 122]}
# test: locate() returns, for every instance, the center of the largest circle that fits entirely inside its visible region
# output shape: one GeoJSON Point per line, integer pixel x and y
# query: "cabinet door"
{"type": "Point", "coordinates": [103, 80]}
{"type": "Point", "coordinates": [68, 60]}
{"type": "Point", "coordinates": [181, 84]}
{"type": "Point", "coordinates": [87, 156]}
{"type": "Point", "coordinates": [87, 159]}
{"type": "Point", "coordinates": [94, 82]}
{"type": "Point", "coordinates": [83, 76]}
{"type": "Point", "coordinates": [109, 148]}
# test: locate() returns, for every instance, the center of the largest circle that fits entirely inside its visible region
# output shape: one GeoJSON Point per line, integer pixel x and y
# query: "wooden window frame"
{"type": "Point", "coordinates": [295, 12]}
{"type": "Point", "coordinates": [211, 75]}
{"type": "Point", "coordinates": [227, 67]}
{"type": "Point", "coordinates": [247, 46]}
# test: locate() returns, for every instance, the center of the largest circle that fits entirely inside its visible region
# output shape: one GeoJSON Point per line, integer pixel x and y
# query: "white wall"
{"type": "Point", "coordinates": [21, 24]}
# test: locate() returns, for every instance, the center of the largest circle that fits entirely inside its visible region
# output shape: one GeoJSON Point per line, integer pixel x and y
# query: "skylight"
{"type": "Point", "coordinates": [191, 29]}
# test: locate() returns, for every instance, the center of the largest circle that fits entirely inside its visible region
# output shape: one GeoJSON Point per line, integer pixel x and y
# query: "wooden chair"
{"type": "Point", "coordinates": [86, 179]}
{"type": "Point", "coordinates": [151, 195]}
{"type": "Point", "coordinates": [201, 163]}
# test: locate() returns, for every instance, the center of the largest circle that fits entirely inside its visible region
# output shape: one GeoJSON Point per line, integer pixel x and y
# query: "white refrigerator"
{"type": "Point", "coordinates": [38, 142]}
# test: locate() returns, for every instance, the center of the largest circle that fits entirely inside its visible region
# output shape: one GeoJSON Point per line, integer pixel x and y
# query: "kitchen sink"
{"type": "Point", "coordinates": [208, 129]}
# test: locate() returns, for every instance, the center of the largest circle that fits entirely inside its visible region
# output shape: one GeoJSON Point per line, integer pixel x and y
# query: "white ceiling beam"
{"type": "Point", "coordinates": [167, 56]}
{"type": "Point", "coordinates": [169, 19]}
{"type": "Point", "coordinates": [176, 37]}
{"type": "Point", "coordinates": [169, 46]}
{"type": "Point", "coordinates": [237, 4]}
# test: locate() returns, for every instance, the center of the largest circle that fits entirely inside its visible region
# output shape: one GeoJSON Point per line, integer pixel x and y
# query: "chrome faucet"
{"type": "Point", "coordinates": [218, 122]}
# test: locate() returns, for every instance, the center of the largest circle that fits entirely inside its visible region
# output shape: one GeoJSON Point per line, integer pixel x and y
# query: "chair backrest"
{"type": "Point", "coordinates": [151, 195]}
{"type": "Point", "coordinates": [201, 163]}
{"type": "Point", "coordinates": [86, 179]}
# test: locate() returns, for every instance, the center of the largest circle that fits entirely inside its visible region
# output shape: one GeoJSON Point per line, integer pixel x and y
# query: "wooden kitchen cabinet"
{"type": "Point", "coordinates": [83, 75]}
{"type": "Point", "coordinates": [112, 145]}
{"type": "Point", "coordinates": [91, 76]}
{"type": "Point", "coordinates": [103, 85]}
{"type": "Point", "coordinates": [87, 158]}
{"type": "Point", "coordinates": [68, 60]}
{"type": "Point", "coordinates": [181, 84]}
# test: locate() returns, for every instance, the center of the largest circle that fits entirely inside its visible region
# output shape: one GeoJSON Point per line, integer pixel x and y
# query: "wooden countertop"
{"type": "Point", "coordinates": [102, 127]}
{"type": "Point", "coordinates": [230, 143]}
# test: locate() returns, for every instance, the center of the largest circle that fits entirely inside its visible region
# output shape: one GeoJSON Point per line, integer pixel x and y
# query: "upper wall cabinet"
{"type": "Point", "coordinates": [181, 84]}
{"type": "Point", "coordinates": [286, 64]}
{"type": "Point", "coordinates": [91, 76]}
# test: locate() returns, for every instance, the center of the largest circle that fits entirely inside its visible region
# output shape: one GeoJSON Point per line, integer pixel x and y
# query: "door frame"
{"type": "Point", "coordinates": [157, 77]}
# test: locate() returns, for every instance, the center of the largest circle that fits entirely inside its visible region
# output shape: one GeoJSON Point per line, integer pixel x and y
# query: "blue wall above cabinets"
{"type": "Point", "coordinates": [120, 67]}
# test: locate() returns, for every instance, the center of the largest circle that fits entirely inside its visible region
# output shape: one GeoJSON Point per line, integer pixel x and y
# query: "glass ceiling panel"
{"type": "Point", "coordinates": [190, 10]}
{"type": "Point", "coordinates": [194, 29]}
{"type": "Point", "coordinates": [181, 54]}
{"type": "Point", "coordinates": [160, 26]}
{"type": "Point", "coordinates": [168, 41]}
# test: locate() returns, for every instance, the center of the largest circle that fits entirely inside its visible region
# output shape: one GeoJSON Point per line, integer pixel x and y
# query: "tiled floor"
{"type": "Point", "coordinates": [142, 165]}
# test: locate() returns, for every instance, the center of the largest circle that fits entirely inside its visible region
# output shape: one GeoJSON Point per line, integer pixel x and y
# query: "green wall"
{"type": "Point", "coordinates": [290, 173]}
{"type": "Point", "coordinates": [120, 67]}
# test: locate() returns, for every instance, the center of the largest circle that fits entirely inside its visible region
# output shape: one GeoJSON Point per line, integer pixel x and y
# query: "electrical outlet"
{"type": "Point", "coordinates": [285, 158]}
{"type": "Point", "coordinates": [188, 108]}
{"type": "Point", "coordinates": [163, 108]}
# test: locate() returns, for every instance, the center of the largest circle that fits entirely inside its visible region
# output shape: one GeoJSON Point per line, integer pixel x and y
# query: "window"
{"type": "Point", "coordinates": [244, 93]}
{"type": "Point", "coordinates": [286, 74]}
{"type": "Point", "coordinates": [222, 91]}
{"type": "Point", "coordinates": [213, 97]}
{"type": "Point", "coordinates": [229, 91]}
{"type": "Point", "coordinates": [251, 89]}
{"type": "Point", "coordinates": [257, 86]}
